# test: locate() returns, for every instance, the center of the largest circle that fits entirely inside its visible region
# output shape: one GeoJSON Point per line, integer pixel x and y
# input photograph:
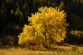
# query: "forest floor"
{"type": "Point", "coordinates": [59, 50]}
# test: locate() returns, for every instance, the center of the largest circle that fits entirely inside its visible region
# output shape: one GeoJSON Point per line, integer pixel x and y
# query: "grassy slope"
{"type": "Point", "coordinates": [24, 51]}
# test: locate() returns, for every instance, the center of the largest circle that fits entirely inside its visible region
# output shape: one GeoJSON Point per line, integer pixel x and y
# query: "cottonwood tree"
{"type": "Point", "coordinates": [47, 26]}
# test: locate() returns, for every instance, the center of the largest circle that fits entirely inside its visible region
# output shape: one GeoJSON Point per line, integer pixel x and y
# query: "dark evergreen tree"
{"type": "Point", "coordinates": [3, 19]}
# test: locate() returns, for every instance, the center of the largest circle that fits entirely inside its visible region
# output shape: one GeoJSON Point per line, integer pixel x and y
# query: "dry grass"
{"type": "Point", "coordinates": [22, 51]}
{"type": "Point", "coordinates": [25, 51]}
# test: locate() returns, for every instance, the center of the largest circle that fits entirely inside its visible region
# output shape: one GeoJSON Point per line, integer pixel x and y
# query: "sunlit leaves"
{"type": "Point", "coordinates": [47, 26]}
{"type": "Point", "coordinates": [77, 33]}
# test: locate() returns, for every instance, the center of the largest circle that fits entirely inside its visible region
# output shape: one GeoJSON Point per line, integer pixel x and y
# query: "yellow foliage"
{"type": "Point", "coordinates": [77, 33]}
{"type": "Point", "coordinates": [46, 25]}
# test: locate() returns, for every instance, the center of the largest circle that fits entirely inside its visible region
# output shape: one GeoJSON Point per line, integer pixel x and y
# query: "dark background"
{"type": "Point", "coordinates": [14, 14]}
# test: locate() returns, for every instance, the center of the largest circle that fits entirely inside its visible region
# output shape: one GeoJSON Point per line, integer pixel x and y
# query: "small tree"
{"type": "Point", "coordinates": [47, 26]}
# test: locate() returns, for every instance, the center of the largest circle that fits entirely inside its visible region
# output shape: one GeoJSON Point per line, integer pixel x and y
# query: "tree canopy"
{"type": "Point", "coordinates": [46, 26]}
